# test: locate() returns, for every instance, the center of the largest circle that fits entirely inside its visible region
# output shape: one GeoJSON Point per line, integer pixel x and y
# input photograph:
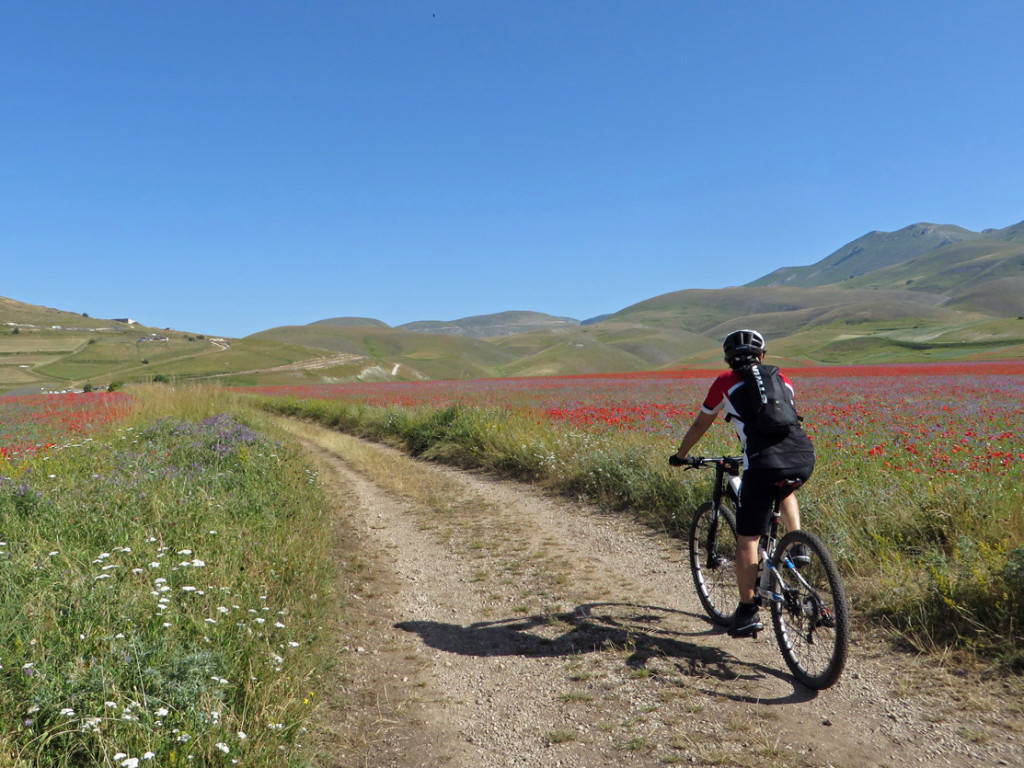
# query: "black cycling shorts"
{"type": "Point", "coordinates": [757, 496]}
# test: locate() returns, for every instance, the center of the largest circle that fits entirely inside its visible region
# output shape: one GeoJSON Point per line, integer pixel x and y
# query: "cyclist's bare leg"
{"type": "Point", "coordinates": [746, 566]}
{"type": "Point", "coordinates": [790, 511]}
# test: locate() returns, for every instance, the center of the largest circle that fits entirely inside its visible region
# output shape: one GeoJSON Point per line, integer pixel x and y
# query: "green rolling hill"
{"type": "Point", "coordinates": [925, 292]}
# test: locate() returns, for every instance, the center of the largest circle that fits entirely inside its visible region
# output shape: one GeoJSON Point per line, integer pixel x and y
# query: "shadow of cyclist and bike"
{"type": "Point", "coordinates": [640, 630]}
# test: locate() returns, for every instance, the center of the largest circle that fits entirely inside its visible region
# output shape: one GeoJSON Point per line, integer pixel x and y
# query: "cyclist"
{"type": "Point", "coordinates": [766, 461]}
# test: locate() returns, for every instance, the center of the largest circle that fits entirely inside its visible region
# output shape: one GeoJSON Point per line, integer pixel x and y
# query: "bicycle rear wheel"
{"type": "Point", "coordinates": [713, 560]}
{"type": "Point", "coordinates": [812, 624]}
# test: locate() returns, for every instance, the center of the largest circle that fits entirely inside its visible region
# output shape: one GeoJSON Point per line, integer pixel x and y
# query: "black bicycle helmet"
{"type": "Point", "coordinates": [743, 348]}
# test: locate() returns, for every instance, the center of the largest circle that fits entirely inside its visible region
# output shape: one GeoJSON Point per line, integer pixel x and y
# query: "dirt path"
{"type": "Point", "coordinates": [491, 625]}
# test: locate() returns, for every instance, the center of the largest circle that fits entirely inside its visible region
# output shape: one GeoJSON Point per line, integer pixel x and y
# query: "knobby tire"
{"type": "Point", "coordinates": [714, 569]}
{"type": "Point", "coordinates": [813, 626]}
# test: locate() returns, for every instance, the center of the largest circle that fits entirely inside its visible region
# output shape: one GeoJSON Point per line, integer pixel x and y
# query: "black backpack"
{"type": "Point", "coordinates": [764, 403]}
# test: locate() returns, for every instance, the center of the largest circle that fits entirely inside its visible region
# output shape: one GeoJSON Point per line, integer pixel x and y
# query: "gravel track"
{"type": "Point", "coordinates": [493, 625]}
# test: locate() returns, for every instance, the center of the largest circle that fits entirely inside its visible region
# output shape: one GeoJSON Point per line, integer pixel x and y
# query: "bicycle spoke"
{"type": "Point", "coordinates": [811, 625]}
{"type": "Point", "coordinates": [713, 559]}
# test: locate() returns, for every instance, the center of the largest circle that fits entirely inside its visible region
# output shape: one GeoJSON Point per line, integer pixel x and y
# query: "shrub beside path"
{"type": "Point", "coordinates": [485, 624]}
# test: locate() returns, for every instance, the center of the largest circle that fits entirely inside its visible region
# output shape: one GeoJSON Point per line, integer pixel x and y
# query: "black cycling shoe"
{"type": "Point", "coordinates": [800, 555]}
{"type": "Point", "coordinates": [745, 622]}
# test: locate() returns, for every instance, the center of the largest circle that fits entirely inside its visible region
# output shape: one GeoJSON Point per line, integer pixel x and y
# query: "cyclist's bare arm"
{"type": "Point", "coordinates": [696, 431]}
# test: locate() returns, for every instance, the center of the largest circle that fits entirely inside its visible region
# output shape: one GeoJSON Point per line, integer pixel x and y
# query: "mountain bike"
{"type": "Point", "coordinates": [808, 603]}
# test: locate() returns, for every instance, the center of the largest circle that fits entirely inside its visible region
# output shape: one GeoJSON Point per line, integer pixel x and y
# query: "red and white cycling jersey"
{"type": "Point", "coordinates": [791, 450]}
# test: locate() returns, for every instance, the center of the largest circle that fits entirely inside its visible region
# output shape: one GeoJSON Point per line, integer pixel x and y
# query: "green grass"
{"type": "Point", "coordinates": [160, 594]}
{"type": "Point", "coordinates": [242, 355]}
{"type": "Point", "coordinates": [28, 343]}
{"type": "Point", "coordinates": [572, 353]}
{"type": "Point", "coordinates": [12, 311]}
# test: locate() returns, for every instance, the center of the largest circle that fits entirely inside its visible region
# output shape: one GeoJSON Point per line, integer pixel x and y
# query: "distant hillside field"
{"type": "Point", "coordinates": [925, 293]}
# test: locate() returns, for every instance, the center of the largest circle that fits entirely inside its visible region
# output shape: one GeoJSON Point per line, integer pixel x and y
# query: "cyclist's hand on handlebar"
{"type": "Point", "coordinates": [689, 461]}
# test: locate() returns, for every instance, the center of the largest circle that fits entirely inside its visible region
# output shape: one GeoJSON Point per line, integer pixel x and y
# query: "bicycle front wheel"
{"type": "Point", "coordinates": [812, 623]}
{"type": "Point", "coordinates": [713, 560]}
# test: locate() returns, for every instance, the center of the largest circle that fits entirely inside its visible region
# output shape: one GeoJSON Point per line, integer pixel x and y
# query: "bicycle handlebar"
{"type": "Point", "coordinates": [695, 462]}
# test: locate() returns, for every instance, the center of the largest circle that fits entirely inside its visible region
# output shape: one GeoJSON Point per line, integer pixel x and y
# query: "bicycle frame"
{"type": "Point", "coordinates": [728, 467]}
{"type": "Point", "coordinates": [767, 572]}
{"type": "Point", "coordinates": [771, 588]}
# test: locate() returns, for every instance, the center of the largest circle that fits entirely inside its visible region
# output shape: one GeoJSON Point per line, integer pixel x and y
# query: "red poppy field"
{"type": "Point", "coordinates": [35, 423]}
{"type": "Point", "coordinates": [927, 419]}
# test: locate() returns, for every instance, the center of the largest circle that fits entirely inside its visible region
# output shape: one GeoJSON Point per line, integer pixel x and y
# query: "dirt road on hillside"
{"type": "Point", "coordinates": [490, 626]}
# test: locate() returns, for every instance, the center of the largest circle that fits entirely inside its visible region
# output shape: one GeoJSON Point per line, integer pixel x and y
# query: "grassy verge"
{"type": "Point", "coordinates": [939, 559]}
{"type": "Point", "coordinates": [162, 594]}
{"type": "Point", "coordinates": [614, 469]}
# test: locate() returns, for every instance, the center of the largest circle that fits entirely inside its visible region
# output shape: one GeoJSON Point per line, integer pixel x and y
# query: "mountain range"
{"type": "Point", "coordinates": [924, 292]}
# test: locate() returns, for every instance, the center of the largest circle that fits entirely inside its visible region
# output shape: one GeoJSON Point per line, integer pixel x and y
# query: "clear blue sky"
{"type": "Point", "coordinates": [227, 166]}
